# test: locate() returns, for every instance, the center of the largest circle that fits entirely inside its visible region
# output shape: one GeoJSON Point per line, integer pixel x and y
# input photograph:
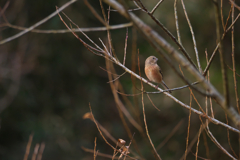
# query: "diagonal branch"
{"type": "Point", "coordinates": [38, 23]}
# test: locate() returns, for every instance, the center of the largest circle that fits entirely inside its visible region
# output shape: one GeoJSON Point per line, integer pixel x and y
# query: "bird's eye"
{"type": "Point", "coordinates": [153, 58]}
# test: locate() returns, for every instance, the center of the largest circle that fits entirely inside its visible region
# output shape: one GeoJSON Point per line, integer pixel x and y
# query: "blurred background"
{"type": "Point", "coordinates": [48, 80]}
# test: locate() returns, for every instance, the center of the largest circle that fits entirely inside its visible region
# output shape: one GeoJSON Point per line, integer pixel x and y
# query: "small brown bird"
{"type": "Point", "coordinates": [153, 71]}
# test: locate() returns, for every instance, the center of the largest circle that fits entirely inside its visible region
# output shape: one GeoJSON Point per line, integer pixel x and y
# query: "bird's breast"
{"type": "Point", "coordinates": [153, 74]}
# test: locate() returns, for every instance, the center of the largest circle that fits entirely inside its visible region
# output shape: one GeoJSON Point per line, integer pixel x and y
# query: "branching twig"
{"type": "Point", "coordinates": [168, 32]}
{"type": "Point", "coordinates": [99, 130]}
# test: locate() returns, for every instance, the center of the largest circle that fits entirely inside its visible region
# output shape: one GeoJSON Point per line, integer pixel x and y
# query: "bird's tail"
{"type": "Point", "coordinates": [165, 86]}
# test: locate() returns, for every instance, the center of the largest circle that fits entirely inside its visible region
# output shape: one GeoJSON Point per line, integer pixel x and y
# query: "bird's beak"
{"type": "Point", "coordinates": [157, 59]}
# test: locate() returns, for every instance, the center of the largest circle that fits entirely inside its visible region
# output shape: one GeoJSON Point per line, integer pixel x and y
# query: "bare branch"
{"type": "Point", "coordinates": [38, 23]}
{"type": "Point", "coordinates": [156, 6]}
{"type": "Point", "coordinates": [146, 127]}
{"type": "Point", "coordinates": [59, 31]}
{"type": "Point", "coordinates": [193, 37]}
{"type": "Point", "coordinates": [176, 21]}
{"type": "Point", "coordinates": [223, 66]}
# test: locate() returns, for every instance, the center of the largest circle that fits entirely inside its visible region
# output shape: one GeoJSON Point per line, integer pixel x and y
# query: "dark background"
{"type": "Point", "coordinates": [48, 80]}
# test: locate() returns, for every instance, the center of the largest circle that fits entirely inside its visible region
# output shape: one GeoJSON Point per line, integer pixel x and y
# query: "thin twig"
{"type": "Point", "coordinates": [216, 48]}
{"type": "Point", "coordinates": [152, 103]}
{"type": "Point", "coordinates": [37, 24]}
{"type": "Point", "coordinates": [99, 154]}
{"type": "Point", "coordinates": [193, 142]}
{"type": "Point", "coordinates": [218, 144]}
{"type": "Point", "coordinates": [229, 141]}
{"type": "Point", "coordinates": [232, 70]}
{"type": "Point", "coordinates": [199, 133]}
{"type": "Point", "coordinates": [175, 129]}
{"type": "Point", "coordinates": [137, 110]}
{"type": "Point", "coordinates": [210, 99]}
{"type": "Point", "coordinates": [229, 15]}
{"type": "Point", "coordinates": [4, 8]}
{"type": "Point", "coordinates": [206, 145]}
{"type": "Point", "coordinates": [125, 48]}
{"type": "Point", "coordinates": [233, 3]}
{"type": "Point", "coordinates": [156, 6]}
{"type": "Point", "coordinates": [111, 50]}
{"type": "Point", "coordinates": [94, 12]}
{"type": "Point", "coordinates": [95, 152]}
{"type": "Point", "coordinates": [90, 29]}
{"type": "Point", "coordinates": [193, 37]}
{"type": "Point", "coordinates": [223, 66]}
{"type": "Point", "coordinates": [233, 63]}
{"type": "Point", "coordinates": [116, 78]}
{"type": "Point", "coordinates": [176, 21]}
{"type": "Point", "coordinates": [189, 120]}
{"type": "Point", "coordinates": [222, 14]}
{"type": "Point", "coordinates": [146, 127]}
{"type": "Point", "coordinates": [99, 130]}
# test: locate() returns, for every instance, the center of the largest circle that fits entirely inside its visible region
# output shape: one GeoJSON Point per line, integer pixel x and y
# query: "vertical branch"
{"type": "Point", "coordinates": [133, 68]}
{"type": "Point", "coordinates": [222, 14]}
{"type": "Point", "coordinates": [112, 51]}
{"type": "Point", "coordinates": [234, 71]}
{"type": "Point", "coordinates": [146, 127]}
{"type": "Point", "coordinates": [193, 37]}
{"type": "Point", "coordinates": [233, 62]}
{"type": "Point", "coordinates": [125, 48]}
{"type": "Point", "coordinates": [228, 136]}
{"type": "Point", "coordinates": [223, 66]}
{"type": "Point", "coordinates": [95, 152]}
{"type": "Point", "coordinates": [199, 133]}
{"type": "Point", "coordinates": [206, 145]}
{"type": "Point", "coordinates": [208, 78]}
{"type": "Point", "coordinates": [189, 120]}
{"type": "Point", "coordinates": [176, 21]}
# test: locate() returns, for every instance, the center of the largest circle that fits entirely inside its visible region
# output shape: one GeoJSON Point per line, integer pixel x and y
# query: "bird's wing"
{"type": "Point", "coordinates": [160, 71]}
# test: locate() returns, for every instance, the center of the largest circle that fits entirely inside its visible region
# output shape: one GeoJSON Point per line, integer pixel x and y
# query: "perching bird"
{"type": "Point", "coordinates": [153, 71]}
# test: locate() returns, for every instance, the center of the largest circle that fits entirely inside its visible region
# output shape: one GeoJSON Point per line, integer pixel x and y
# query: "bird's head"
{"type": "Point", "coordinates": [151, 60]}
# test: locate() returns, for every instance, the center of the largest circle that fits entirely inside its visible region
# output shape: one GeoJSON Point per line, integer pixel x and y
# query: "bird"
{"type": "Point", "coordinates": [153, 71]}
